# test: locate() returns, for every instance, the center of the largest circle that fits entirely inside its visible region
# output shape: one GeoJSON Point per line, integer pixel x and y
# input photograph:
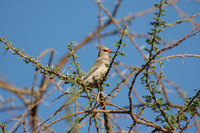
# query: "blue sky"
{"type": "Point", "coordinates": [42, 24]}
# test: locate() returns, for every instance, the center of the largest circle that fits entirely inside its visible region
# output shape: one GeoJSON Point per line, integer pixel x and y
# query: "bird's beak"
{"type": "Point", "coordinates": [109, 51]}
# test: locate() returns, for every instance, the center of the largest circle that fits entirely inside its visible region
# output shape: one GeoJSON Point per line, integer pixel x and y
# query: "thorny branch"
{"type": "Point", "coordinates": [91, 115]}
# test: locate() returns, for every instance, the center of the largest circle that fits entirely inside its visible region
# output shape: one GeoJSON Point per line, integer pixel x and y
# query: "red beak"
{"type": "Point", "coordinates": [107, 50]}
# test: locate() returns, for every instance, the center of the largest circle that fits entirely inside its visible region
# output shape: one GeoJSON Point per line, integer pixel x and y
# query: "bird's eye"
{"type": "Point", "coordinates": [105, 50]}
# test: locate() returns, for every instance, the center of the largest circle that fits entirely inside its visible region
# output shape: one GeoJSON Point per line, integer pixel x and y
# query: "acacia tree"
{"type": "Point", "coordinates": [152, 111]}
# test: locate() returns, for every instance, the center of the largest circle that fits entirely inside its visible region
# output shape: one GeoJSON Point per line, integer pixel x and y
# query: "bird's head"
{"type": "Point", "coordinates": [103, 51]}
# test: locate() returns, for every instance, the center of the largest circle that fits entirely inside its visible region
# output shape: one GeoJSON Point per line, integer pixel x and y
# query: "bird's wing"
{"type": "Point", "coordinates": [94, 67]}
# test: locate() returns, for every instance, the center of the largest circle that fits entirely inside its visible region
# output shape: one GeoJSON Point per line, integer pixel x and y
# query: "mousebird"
{"type": "Point", "coordinates": [95, 74]}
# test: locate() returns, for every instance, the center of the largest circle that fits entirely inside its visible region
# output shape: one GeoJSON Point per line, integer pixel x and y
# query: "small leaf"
{"type": "Point", "coordinates": [156, 5]}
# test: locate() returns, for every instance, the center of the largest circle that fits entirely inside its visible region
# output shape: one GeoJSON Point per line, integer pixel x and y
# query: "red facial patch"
{"type": "Point", "coordinates": [107, 50]}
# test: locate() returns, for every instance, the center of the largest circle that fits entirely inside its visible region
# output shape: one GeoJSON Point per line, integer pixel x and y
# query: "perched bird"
{"type": "Point", "coordinates": [95, 74]}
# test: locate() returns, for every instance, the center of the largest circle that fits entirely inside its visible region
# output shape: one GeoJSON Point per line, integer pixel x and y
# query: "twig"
{"type": "Point", "coordinates": [26, 112]}
{"type": "Point", "coordinates": [13, 89]}
{"type": "Point", "coordinates": [178, 55]}
{"type": "Point", "coordinates": [3, 128]}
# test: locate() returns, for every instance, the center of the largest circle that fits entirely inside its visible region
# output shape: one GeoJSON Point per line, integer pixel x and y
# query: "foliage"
{"type": "Point", "coordinates": [95, 107]}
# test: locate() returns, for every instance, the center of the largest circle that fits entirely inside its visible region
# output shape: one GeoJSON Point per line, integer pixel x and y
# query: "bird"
{"type": "Point", "coordinates": [98, 70]}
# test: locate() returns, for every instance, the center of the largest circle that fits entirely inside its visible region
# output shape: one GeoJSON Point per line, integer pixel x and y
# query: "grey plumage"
{"type": "Point", "coordinates": [99, 68]}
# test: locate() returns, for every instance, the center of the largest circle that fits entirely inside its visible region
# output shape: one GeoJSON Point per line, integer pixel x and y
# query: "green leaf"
{"type": "Point", "coordinates": [156, 18]}
{"type": "Point", "coordinates": [149, 41]}
{"type": "Point", "coordinates": [22, 50]}
{"type": "Point", "coordinates": [167, 108]}
{"type": "Point", "coordinates": [121, 53]}
{"type": "Point", "coordinates": [153, 23]}
{"type": "Point", "coordinates": [124, 44]}
{"type": "Point", "coordinates": [26, 61]}
{"type": "Point", "coordinates": [150, 33]}
{"type": "Point", "coordinates": [6, 47]}
{"type": "Point", "coordinates": [116, 44]}
{"type": "Point", "coordinates": [156, 5]}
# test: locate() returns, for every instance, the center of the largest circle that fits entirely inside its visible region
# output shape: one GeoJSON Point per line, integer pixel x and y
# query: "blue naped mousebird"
{"type": "Point", "coordinates": [99, 68]}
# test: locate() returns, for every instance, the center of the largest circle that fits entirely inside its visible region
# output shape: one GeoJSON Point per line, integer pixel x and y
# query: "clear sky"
{"type": "Point", "coordinates": [36, 25]}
